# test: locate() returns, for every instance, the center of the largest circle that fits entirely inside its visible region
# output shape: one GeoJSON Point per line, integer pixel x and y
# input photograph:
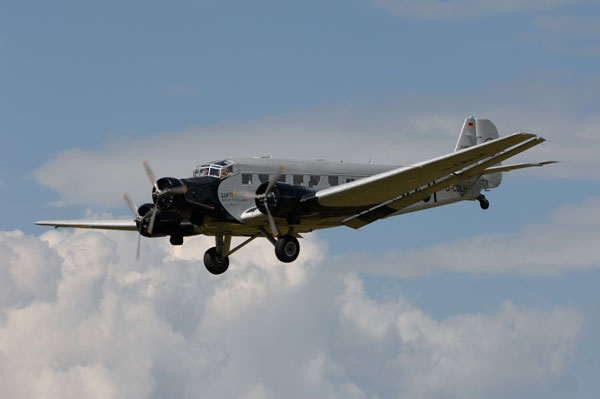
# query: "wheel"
{"type": "Point", "coordinates": [484, 204]}
{"type": "Point", "coordinates": [176, 240]}
{"type": "Point", "coordinates": [287, 249]}
{"type": "Point", "coordinates": [214, 263]}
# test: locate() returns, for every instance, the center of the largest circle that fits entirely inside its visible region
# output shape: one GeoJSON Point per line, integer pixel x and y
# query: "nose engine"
{"type": "Point", "coordinates": [167, 193]}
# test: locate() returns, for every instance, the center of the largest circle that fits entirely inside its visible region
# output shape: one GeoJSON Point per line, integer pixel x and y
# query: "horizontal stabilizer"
{"type": "Point", "coordinates": [508, 168]}
{"type": "Point", "coordinates": [114, 224]}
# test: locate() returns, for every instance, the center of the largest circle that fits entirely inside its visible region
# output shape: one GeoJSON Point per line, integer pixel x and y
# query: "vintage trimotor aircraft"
{"type": "Point", "coordinates": [279, 200]}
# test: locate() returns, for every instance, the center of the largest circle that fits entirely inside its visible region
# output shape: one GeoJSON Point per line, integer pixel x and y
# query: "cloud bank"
{"type": "Point", "coordinates": [85, 320]}
{"type": "Point", "coordinates": [409, 129]}
{"type": "Point", "coordinates": [566, 242]}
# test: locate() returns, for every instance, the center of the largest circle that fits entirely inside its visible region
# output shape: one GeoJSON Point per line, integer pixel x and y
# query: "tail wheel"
{"type": "Point", "coordinates": [214, 263]}
{"type": "Point", "coordinates": [287, 249]}
{"type": "Point", "coordinates": [483, 202]}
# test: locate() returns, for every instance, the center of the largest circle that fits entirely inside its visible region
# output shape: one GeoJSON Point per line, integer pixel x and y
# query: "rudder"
{"type": "Point", "coordinates": [476, 131]}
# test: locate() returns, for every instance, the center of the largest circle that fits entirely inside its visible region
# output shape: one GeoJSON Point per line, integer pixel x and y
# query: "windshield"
{"type": "Point", "coordinates": [219, 169]}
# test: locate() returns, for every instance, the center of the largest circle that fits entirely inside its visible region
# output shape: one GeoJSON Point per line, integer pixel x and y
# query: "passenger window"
{"type": "Point", "coordinates": [246, 178]}
{"type": "Point", "coordinates": [348, 180]}
{"type": "Point", "coordinates": [298, 180]}
{"type": "Point", "coordinates": [281, 178]}
{"type": "Point", "coordinates": [314, 181]}
{"type": "Point", "coordinates": [263, 178]}
{"type": "Point", "coordinates": [333, 180]}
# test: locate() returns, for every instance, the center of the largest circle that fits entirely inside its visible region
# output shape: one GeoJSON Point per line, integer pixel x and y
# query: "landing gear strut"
{"type": "Point", "coordinates": [216, 259]}
{"type": "Point", "coordinates": [483, 202]}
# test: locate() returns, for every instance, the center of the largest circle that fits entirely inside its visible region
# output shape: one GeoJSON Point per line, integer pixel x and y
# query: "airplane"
{"type": "Point", "coordinates": [282, 199]}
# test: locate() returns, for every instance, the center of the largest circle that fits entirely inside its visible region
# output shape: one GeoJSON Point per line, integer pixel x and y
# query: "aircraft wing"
{"type": "Point", "coordinates": [399, 202]}
{"type": "Point", "coordinates": [110, 224]}
{"type": "Point", "coordinates": [384, 186]}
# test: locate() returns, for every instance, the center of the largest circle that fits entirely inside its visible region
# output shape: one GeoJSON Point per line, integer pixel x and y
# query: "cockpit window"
{"type": "Point", "coordinates": [227, 171]}
{"type": "Point", "coordinates": [201, 171]}
{"type": "Point", "coordinates": [219, 169]}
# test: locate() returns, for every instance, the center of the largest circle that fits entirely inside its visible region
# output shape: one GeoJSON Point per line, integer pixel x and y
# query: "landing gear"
{"type": "Point", "coordinates": [483, 202]}
{"type": "Point", "coordinates": [215, 263]}
{"type": "Point", "coordinates": [216, 259]}
{"type": "Point", "coordinates": [287, 248]}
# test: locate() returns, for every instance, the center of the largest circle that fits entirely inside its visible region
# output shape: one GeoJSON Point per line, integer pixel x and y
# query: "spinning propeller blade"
{"type": "Point", "coordinates": [137, 252]}
{"type": "Point", "coordinates": [274, 178]}
{"type": "Point", "coordinates": [272, 224]}
{"type": "Point", "coordinates": [152, 219]}
{"type": "Point", "coordinates": [264, 198]}
{"type": "Point", "coordinates": [131, 205]}
{"type": "Point", "coordinates": [134, 210]}
{"type": "Point", "coordinates": [150, 173]}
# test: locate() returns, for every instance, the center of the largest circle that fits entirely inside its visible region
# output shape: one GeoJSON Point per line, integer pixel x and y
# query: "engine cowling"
{"type": "Point", "coordinates": [145, 209]}
{"type": "Point", "coordinates": [169, 194]}
{"type": "Point", "coordinates": [166, 223]}
{"type": "Point", "coordinates": [282, 200]}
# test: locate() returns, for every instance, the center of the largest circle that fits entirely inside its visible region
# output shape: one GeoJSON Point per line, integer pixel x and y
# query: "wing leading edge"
{"type": "Point", "coordinates": [112, 224]}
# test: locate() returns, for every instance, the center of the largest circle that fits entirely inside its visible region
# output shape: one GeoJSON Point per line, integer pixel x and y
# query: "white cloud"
{"type": "Point", "coordinates": [29, 270]}
{"type": "Point", "coordinates": [450, 9]}
{"type": "Point", "coordinates": [408, 130]}
{"type": "Point", "coordinates": [164, 327]}
{"type": "Point", "coordinates": [567, 241]}
{"type": "Point", "coordinates": [99, 177]}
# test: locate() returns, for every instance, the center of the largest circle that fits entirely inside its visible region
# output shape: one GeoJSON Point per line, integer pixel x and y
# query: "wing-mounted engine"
{"type": "Point", "coordinates": [282, 199]}
{"type": "Point", "coordinates": [165, 222]}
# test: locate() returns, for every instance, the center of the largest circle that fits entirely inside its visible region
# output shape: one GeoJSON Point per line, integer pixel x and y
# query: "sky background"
{"type": "Point", "coordinates": [453, 302]}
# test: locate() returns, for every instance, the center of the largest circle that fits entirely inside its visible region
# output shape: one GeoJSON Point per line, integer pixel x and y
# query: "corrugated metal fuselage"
{"type": "Point", "coordinates": [234, 194]}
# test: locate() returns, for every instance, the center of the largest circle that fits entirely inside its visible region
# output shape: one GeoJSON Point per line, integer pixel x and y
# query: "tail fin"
{"type": "Point", "coordinates": [476, 131]}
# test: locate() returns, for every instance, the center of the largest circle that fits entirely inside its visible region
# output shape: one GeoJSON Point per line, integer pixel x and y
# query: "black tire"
{"type": "Point", "coordinates": [484, 204]}
{"type": "Point", "coordinates": [287, 249]}
{"type": "Point", "coordinates": [214, 263]}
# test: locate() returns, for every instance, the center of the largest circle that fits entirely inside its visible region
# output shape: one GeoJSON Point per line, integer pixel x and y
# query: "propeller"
{"type": "Point", "coordinates": [150, 174]}
{"type": "Point", "coordinates": [138, 218]}
{"type": "Point", "coordinates": [264, 197]}
{"type": "Point", "coordinates": [160, 193]}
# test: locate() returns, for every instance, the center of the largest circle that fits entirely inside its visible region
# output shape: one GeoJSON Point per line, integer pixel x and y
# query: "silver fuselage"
{"type": "Point", "coordinates": [249, 173]}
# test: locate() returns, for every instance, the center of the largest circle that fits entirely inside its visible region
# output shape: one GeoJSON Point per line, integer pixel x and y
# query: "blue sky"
{"type": "Point", "coordinates": [90, 89]}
